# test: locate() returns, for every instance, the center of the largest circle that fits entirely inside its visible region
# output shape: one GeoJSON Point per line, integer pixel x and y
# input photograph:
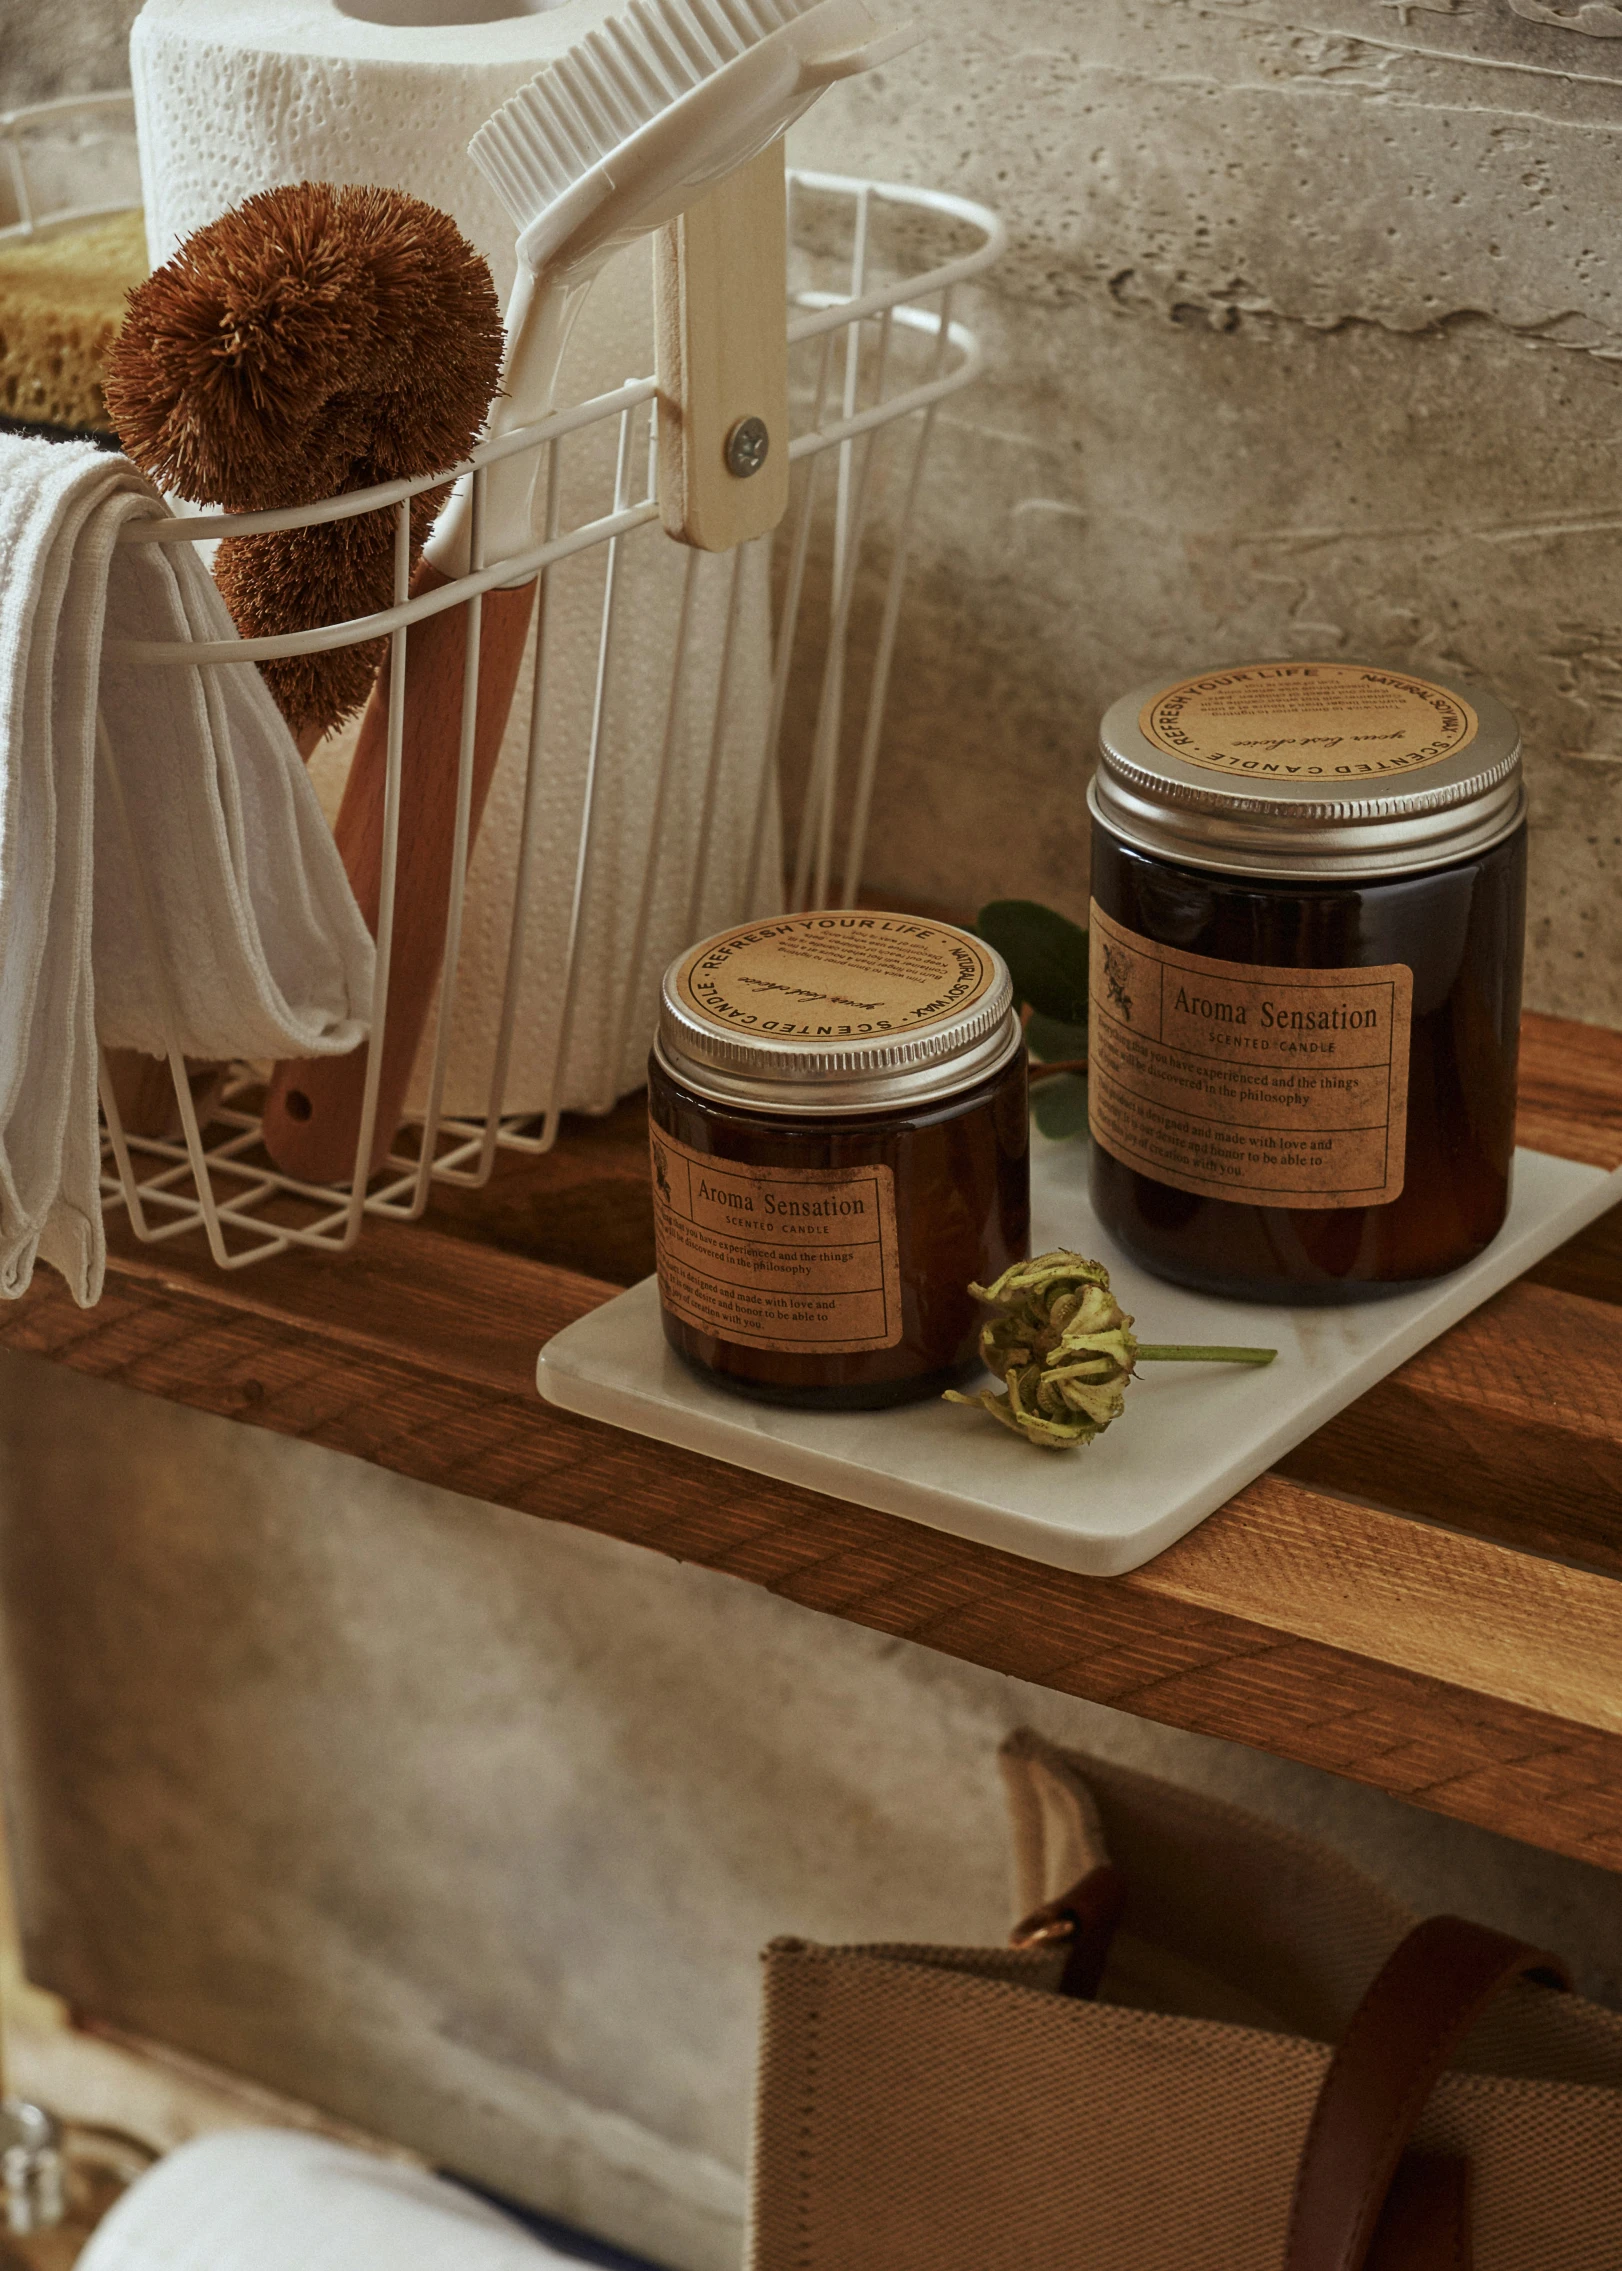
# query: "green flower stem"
{"type": "Point", "coordinates": [1041, 1070]}
{"type": "Point", "coordinates": [1171, 1352]}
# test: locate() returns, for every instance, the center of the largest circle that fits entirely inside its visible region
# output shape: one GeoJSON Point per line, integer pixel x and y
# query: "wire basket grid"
{"type": "Point", "coordinates": [870, 359]}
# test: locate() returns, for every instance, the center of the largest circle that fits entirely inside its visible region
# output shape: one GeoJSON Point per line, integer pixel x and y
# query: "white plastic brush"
{"type": "Point", "coordinates": [656, 103]}
{"type": "Point", "coordinates": [618, 136]}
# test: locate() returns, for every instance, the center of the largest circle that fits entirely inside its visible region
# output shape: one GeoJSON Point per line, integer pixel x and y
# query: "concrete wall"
{"type": "Point", "coordinates": [468, 1827]}
{"type": "Point", "coordinates": [1306, 345]}
{"type": "Point", "coordinates": [74, 49]}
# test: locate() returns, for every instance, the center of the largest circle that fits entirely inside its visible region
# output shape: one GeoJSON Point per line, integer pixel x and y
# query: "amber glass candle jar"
{"type": "Point", "coordinates": [840, 1146]}
{"type": "Point", "coordinates": [1308, 894]}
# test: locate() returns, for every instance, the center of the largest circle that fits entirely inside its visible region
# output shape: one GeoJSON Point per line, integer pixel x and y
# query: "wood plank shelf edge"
{"type": "Point", "coordinates": [1463, 1651]}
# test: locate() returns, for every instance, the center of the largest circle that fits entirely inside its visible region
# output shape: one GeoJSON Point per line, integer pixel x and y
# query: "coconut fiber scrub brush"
{"type": "Point", "coordinates": [309, 343]}
{"type": "Point", "coordinates": [312, 342]}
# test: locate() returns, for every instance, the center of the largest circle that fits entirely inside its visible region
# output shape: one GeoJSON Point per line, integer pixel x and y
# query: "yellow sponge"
{"type": "Point", "coordinates": [61, 301]}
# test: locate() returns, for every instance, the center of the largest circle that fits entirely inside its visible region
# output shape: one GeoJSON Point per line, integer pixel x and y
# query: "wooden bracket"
{"type": "Point", "coordinates": [721, 297]}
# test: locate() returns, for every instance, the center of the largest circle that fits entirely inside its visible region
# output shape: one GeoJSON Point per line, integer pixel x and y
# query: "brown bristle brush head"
{"type": "Point", "coordinates": [313, 341]}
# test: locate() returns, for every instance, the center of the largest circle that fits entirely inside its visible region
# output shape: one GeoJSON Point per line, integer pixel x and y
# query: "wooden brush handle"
{"type": "Point", "coordinates": [313, 1111]}
{"type": "Point", "coordinates": [145, 1091]}
{"type": "Point", "coordinates": [720, 291]}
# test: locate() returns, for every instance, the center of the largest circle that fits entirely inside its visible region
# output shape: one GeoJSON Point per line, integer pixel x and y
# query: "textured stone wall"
{"type": "Point", "coordinates": [75, 47]}
{"type": "Point", "coordinates": [1305, 345]}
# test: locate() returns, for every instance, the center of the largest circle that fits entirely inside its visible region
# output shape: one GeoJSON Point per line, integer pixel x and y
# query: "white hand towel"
{"type": "Point", "coordinates": [259, 943]}
{"type": "Point", "coordinates": [275, 2200]}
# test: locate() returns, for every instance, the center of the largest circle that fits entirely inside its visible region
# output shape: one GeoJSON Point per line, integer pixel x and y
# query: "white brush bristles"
{"type": "Point", "coordinates": [611, 84]}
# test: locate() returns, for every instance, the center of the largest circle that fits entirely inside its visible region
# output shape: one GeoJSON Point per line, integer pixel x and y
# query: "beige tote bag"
{"type": "Point", "coordinates": [1147, 2081]}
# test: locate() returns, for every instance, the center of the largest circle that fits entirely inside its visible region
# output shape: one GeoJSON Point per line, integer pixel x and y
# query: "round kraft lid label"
{"type": "Point", "coordinates": [1308, 721]}
{"type": "Point", "coordinates": [835, 976]}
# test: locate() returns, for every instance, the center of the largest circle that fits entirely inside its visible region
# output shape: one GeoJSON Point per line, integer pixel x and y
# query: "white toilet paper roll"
{"type": "Point", "coordinates": [230, 101]}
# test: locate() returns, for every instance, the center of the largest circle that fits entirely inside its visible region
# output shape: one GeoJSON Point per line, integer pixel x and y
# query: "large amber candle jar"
{"type": "Point", "coordinates": [1308, 897]}
{"type": "Point", "coordinates": [840, 1146]}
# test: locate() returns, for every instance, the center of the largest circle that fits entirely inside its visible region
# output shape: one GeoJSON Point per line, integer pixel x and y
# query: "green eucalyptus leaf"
{"type": "Point", "coordinates": [1047, 954]}
{"type": "Point", "coordinates": [1052, 1043]}
{"type": "Point", "coordinates": [1059, 1106]}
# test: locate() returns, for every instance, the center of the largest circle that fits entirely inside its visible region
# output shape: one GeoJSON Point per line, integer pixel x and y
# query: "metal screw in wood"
{"type": "Point", "coordinates": [747, 447]}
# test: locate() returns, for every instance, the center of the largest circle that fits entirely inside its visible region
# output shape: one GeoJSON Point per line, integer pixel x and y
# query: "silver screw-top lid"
{"type": "Point", "coordinates": [1309, 769]}
{"type": "Point", "coordinates": [836, 1011]}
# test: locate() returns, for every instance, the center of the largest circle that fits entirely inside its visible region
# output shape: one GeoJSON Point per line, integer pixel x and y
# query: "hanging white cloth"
{"type": "Point", "coordinates": [204, 877]}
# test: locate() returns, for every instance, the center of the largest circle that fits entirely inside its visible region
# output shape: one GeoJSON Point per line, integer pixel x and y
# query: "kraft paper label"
{"type": "Point", "coordinates": [796, 1259]}
{"type": "Point", "coordinates": [1329, 721]}
{"type": "Point", "coordinates": [836, 975]}
{"type": "Point", "coordinates": [1235, 1080]}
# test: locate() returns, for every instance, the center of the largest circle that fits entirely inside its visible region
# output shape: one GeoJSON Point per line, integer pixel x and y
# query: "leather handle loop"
{"type": "Point", "coordinates": [1425, 2223]}
{"type": "Point", "coordinates": [1401, 2038]}
{"type": "Point", "coordinates": [1085, 1918]}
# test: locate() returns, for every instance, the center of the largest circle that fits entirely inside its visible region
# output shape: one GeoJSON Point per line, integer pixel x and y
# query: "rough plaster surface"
{"type": "Point", "coordinates": [467, 1827]}
{"type": "Point", "coordinates": [75, 47]}
{"type": "Point", "coordinates": [1306, 344]}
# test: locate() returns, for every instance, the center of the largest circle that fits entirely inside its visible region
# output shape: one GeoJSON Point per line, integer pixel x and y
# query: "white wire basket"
{"type": "Point", "coordinates": [875, 349]}
{"type": "Point", "coordinates": [68, 162]}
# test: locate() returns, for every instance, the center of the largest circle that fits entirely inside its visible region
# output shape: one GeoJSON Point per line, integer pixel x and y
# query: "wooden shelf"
{"type": "Point", "coordinates": [1426, 1596]}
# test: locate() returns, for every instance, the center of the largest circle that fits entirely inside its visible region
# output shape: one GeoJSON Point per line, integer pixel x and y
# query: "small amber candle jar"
{"type": "Point", "coordinates": [1307, 923]}
{"type": "Point", "coordinates": [840, 1147]}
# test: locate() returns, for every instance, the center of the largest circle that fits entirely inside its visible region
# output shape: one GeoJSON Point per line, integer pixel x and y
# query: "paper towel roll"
{"type": "Point", "coordinates": [276, 2200]}
{"type": "Point", "coordinates": [230, 101]}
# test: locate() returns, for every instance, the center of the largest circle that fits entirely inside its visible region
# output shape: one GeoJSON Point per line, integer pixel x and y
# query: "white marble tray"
{"type": "Point", "coordinates": [1191, 1436]}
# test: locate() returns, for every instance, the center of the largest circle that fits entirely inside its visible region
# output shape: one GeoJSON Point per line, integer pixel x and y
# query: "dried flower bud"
{"type": "Point", "coordinates": [1064, 1350]}
{"type": "Point", "coordinates": [1062, 1346]}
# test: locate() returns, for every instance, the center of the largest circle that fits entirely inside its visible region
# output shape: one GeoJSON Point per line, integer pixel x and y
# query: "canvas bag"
{"type": "Point", "coordinates": [950, 2109]}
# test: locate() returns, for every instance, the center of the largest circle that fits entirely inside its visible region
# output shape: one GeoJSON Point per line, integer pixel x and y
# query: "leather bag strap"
{"type": "Point", "coordinates": [1085, 1917]}
{"type": "Point", "coordinates": [1401, 2039]}
{"type": "Point", "coordinates": [1425, 2223]}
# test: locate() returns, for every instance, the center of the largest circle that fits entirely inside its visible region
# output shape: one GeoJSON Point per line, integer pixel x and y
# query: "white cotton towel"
{"type": "Point", "coordinates": [275, 2200]}
{"type": "Point", "coordinates": [261, 948]}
